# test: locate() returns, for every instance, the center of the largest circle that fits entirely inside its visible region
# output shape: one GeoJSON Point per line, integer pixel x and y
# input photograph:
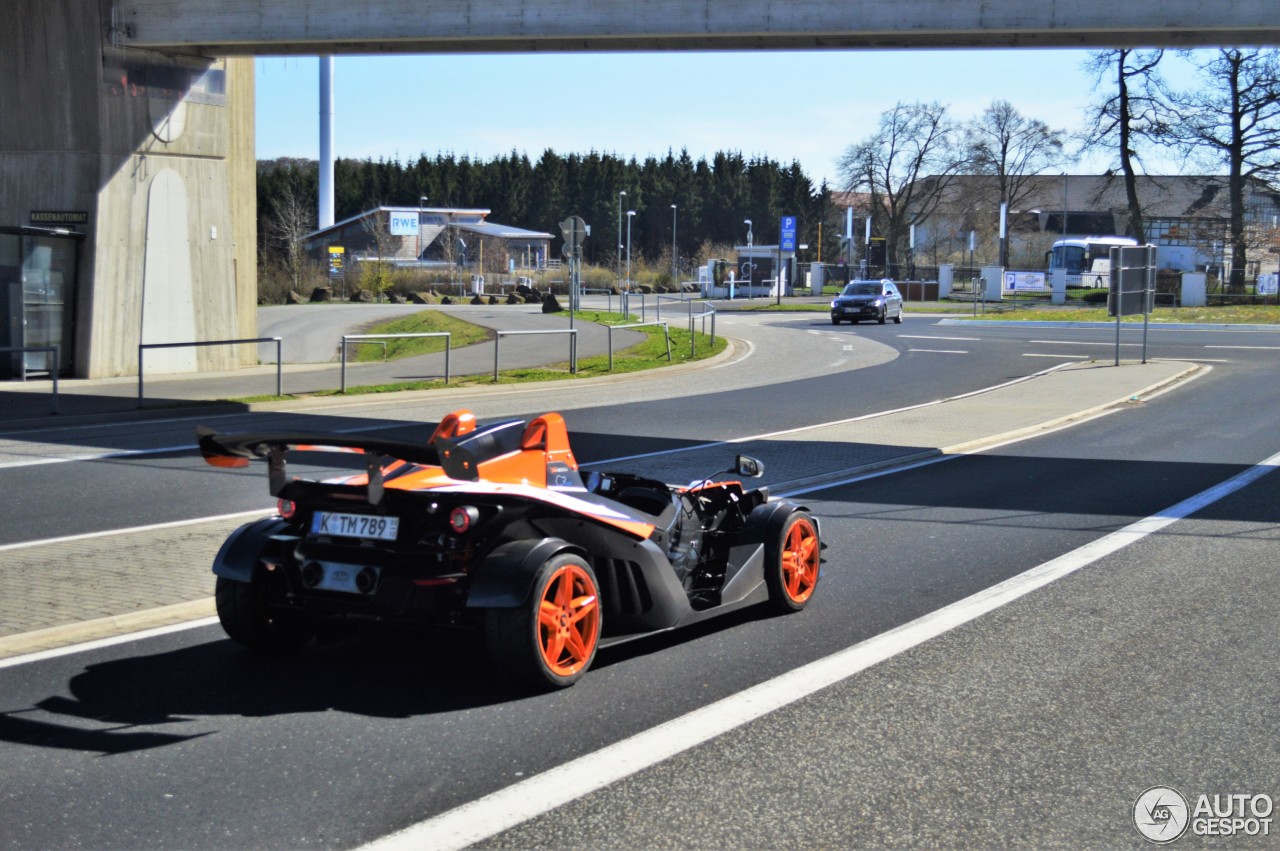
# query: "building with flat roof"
{"type": "Point", "coordinates": [432, 238]}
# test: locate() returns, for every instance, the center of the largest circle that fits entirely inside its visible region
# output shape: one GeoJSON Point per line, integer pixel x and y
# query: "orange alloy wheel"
{"type": "Point", "coordinates": [568, 621]}
{"type": "Point", "coordinates": [800, 558]}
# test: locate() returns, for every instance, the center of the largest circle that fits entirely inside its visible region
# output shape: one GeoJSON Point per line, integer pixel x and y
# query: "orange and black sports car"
{"type": "Point", "coordinates": [494, 528]}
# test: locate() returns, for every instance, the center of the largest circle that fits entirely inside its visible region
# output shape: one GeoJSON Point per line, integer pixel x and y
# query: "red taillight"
{"type": "Point", "coordinates": [287, 508]}
{"type": "Point", "coordinates": [461, 518]}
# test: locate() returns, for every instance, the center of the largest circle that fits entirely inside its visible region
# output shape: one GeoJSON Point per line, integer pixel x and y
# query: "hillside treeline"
{"type": "Point", "coordinates": [713, 198]}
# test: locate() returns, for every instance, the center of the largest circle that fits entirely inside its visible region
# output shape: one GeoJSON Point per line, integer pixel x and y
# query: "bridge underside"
{"type": "Point", "coordinates": [242, 27]}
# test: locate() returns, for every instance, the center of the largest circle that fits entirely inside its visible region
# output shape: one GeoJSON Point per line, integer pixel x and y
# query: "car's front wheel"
{"type": "Point", "coordinates": [897, 317]}
{"type": "Point", "coordinates": [247, 619]}
{"type": "Point", "coordinates": [551, 639]}
{"type": "Point", "coordinates": [793, 565]}
{"type": "Point", "coordinates": [883, 315]}
{"type": "Point", "coordinates": [835, 321]}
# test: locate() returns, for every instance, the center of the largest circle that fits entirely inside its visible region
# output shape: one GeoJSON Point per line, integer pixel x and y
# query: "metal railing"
{"type": "Point", "coordinates": [665, 330]}
{"type": "Point", "coordinates": [53, 373]}
{"type": "Point", "coordinates": [142, 347]}
{"type": "Point", "coordinates": [708, 310]}
{"type": "Point", "coordinates": [362, 338]}
{"type": "Point", "coordinates": [573, 345]}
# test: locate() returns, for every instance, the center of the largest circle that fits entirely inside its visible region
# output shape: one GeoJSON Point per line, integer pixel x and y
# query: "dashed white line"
{"type": "Point", "coordinates": [1078, 343]}
{"type": "Point", "coordinates": [1257, 348]}
{"type": "Point", "coordinates": [926, 337]}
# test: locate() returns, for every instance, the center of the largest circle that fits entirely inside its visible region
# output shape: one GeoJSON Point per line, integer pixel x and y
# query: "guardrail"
{"type": "Point", "coordinates": [573, 345]}
{"type": "Point", "coordinates": [708, 310]}
{"type": "Point", "coordinates": [362, 338]}
{"type": "Point", "coordinates": [279, 368]}
{"type": "Point", "coordinates": [53, 373]}
{"type": "Point", "coordinates": [665, 330]}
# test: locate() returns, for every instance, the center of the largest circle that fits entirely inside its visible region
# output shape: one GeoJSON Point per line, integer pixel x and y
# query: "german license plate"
{"type": "Point", "coordinates": [370, 526]}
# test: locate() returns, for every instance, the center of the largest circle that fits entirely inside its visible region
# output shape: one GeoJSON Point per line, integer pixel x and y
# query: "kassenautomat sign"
{"type": "Point", "coordinates": [59, 217]}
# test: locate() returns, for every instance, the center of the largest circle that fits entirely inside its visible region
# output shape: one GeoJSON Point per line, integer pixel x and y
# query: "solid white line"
{"type": "Point", "coordinates": [97, 456]}
{"type": "Point", "coordinates": [515, 804]}
{"type": "Point", "coordinates": [940, 351]}
{"type": "Point", "coordinates": [151, 528]}
{"type": "Point", "coordinates": [98, 643]}
{"type": "Point", "coordinates": [1069, 357]}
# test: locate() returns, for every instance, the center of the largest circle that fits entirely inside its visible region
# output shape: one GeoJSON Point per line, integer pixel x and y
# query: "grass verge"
{"type": "Point", "coordinates": [462, 333]}
{"type": "Point", "coordinates": [651, 353]}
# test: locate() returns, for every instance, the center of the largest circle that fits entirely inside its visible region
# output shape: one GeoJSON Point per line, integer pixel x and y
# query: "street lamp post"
{"type": "Point", "coordinates": [617, 266]}
{"type": "Point", "coordinates": [1064, 205]}
{"type": "Point", "coordinates": [674, 274]}
{"type": "Point", "coordinates": [750, 258]}
{"type": "Point", "coordinates": [630, 214]}
{"type": "Point", "coordinates": [422, 202]}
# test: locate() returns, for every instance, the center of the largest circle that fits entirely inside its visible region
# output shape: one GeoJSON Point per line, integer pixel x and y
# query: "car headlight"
{"type": "Point", "coordinates": [879, 302]}
{"type": "Point", "coordinates": [835, 303]}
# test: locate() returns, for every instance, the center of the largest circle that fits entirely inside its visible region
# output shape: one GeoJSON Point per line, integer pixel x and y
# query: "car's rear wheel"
{"type": "Point", "coordinates": [247, 619]}
{"type": "Point", "coordinates": [551, 639]}
{"type": "Point", "coordinates": [897, 317]}
{"type": "Point", "coordinates": [792, 570]}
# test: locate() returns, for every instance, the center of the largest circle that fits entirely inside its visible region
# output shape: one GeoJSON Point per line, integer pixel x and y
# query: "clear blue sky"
{"type": "Point", "coordinates": [788, 106]}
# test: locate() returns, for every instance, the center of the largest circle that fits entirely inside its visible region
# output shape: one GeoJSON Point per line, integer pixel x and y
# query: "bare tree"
{"type": "Point", "coordinates": [1232, 119]}
{"type": "Point", "coordinates": [1125, 117]}
{"type": "Point", "coordinates": [292, 217]}
{"type": "Point", "coordinates": [376, 273]}
{"type": "Point", "coordinates": [1012, 149]}
{"type": "Point", "coordinates": [913, 142]}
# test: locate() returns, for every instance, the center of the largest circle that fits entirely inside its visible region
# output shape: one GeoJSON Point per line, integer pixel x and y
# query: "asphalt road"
{"type": "Point", "coordinates": [1038, 724]}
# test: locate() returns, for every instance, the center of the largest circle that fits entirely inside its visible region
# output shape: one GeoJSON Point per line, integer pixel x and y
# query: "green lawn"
{"type": "Point", "coordinates": [462, 333]}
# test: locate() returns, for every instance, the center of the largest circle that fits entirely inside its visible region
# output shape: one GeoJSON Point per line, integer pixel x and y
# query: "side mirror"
{"type": "Point", "coordinates": [747, 466]}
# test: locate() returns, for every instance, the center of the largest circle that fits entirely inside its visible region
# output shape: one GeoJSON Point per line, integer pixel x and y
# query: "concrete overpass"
{"type": "Point", "coordinates": [235, 27]}
{"type": "Point", "coordinates": [130, 122]}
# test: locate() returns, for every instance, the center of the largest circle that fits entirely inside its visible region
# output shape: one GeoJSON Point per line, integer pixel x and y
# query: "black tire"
{"type": "Point", "coordinates": [247, 619]}
{"type": "Point", "coordinates": [552, 648]}
{"type": "Point", "coordinates": [897, 319]}
{"type": "Point", "coordinates": [835, 321]}
{"type": "Point", "coordinates": [793, 564]}
{"type": "Point", "coordinates": [883, 313]}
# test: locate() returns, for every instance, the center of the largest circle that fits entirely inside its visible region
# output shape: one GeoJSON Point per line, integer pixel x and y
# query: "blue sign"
{"type": "Point", "coordinates": [788, 239]}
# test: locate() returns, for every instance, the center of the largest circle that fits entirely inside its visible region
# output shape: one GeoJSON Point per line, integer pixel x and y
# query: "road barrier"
{"type": "Point", "coordinates": [362, 338]}
{"type": "Point", "coordinates": [53, 373]}
{"type": "Point", "coordinates": [573, 345]}
{"type": "Point", "coordinates": [707, 310]}
{"type": "Point", "coordinates": [142, 347]}
{"type": "Point", "coordinates": [665, 330]}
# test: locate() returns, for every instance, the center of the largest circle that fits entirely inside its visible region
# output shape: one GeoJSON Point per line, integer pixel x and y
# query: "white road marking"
{"type": "Point", "coordinates": [1260, 348]}
{"type": "Point", "coordinates": [151, 528]}
{"type": "Point", "coordinates": [926, 337]}
{"type": "Point", "coordinates": [528, 799]}
{"type": "Point", "coordinates": [1069, 357]}
{"type": "Point", "coordinates": [1078, 343]}
{"type": "Point", "coordinates": [941, 351]}
{"type": "Point", "coordinates": [86, 646]}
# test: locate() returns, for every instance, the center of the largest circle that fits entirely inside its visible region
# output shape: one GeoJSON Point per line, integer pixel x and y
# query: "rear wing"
{"type": "Point", "coordinates": [508, 451]}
